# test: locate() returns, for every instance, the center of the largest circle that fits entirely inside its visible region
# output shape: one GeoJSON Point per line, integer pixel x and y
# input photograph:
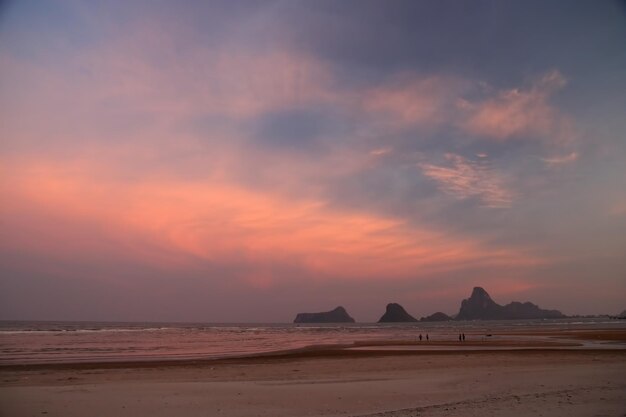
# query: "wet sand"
{"type": "Point", "coordinates": [548, 380]}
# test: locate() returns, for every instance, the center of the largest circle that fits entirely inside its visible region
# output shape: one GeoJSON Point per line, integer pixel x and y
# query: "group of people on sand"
{"type": "Point", "coordinates": [461, 337]}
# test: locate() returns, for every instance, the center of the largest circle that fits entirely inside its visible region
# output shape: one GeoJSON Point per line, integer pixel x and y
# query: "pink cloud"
{"type": "Point", "coordinates": [132, 75]}
{"type": "Point", "coordinates": [464, 178]}
{"type": "Point", "coordinates": [518, 113]}
{"type": "Point", "coordinates": [410, 100]}
{"type": "Point", "coordinates": [221, 222]}
{"type": "Point", "coordinates": [231, 80]}
{"type": "Point", "coordinates": [113, 184]}
{"type": "Point", "coordinates": [120, 80]}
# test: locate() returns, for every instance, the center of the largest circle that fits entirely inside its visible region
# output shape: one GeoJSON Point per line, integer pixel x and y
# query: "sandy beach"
{"type": "Point", "coordinates": [546, 381]}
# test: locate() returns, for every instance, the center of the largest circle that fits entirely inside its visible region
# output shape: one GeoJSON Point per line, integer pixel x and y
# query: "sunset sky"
{"type": "Point", "coordinates": [242, 161]}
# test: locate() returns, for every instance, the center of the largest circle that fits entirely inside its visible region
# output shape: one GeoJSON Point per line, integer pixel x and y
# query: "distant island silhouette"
{"type": "Point", "coordinates": [479, 306]}
{"type": "Point", "coordinates": [438, 316]}
{"type": "Point", "coordinates": [395, 313]}
{"type": "Point", "coordinates": [338, 315]}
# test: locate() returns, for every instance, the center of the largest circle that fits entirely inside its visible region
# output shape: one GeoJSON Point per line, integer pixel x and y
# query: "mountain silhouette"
{"type": "Point", "coordinates": [480, 306]}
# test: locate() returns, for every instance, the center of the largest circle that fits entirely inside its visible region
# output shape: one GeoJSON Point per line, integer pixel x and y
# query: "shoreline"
{"type": "Point", "coordinates": [355, 350]}
{"type": "Point", "coordinates": [478, 339]}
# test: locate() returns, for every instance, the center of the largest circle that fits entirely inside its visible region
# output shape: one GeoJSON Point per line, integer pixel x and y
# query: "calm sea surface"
{"type": "Point", "coordinates": [70, 342]}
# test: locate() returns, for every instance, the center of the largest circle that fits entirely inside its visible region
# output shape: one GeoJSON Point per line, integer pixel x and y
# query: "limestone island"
{"type": "Point", "coordinates": [480, 306]}
{"type": "Point", "coordinates": [338, 315]}
{"type": "Point", "coordinates": [438, 316]}
{"type": "Point", "coordinates": [395, 313]}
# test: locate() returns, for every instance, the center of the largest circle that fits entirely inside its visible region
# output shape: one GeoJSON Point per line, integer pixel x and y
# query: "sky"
{"type": "Point", "coordinates": [245, 161]}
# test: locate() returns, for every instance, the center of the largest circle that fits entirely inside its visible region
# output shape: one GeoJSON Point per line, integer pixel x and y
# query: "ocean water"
{"type": "Point", "coordinates": [29, 342]}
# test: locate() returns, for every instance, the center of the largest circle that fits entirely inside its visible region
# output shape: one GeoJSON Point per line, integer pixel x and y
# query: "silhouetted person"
{"type": "Point", "coordinates": [464, 337]}
{"type": "Point", "coordinates": [427, 337]}
{"type": "Point", "coordinates": [460, 338]}
{"type": "Point", "coordinates": [420, 337]}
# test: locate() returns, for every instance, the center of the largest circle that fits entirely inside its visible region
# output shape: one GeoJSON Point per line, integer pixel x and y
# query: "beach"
{"type": "Point", "coordinates": [379, 380]}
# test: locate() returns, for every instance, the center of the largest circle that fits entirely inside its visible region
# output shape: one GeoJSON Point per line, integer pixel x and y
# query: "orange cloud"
{"type": "Point", "coordinates": [220, 222]}
{"type": "Point", "coordinates": [519, 113]}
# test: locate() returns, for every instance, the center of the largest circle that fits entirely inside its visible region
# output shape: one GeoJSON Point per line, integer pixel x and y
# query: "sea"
{"type": "Point", "coordinates": [44, 342]}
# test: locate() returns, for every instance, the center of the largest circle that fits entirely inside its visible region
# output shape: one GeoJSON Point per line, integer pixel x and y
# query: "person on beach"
{"type": "Point", "coordinates": [427, 337]}
{"type": "Point", "coordinates": [464, 337]}
{"type": "Point", "coordinates": [420, 337]}
{"type": "Point", "coordinates": [460, 339]}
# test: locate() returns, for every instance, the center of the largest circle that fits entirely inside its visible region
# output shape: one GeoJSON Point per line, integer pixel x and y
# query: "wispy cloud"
{"type": "Point", "coordinates": [411, 100]}
{"type": "Point", "coordinates": [519, 113]}
{"type": "Point", "coordinates": [464, 178]}
{"type": "Point", "coordinates": [380, 151]}
{"type": "Point", "coordinates": [561, 160]}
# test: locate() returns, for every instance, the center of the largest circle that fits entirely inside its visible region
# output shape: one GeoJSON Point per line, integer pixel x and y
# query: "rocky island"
{"type": "Point", "coordinates": [480, 306]}
{"type": "Point", "coordinates": [395, 313]}
{"type": "Point", "coordinates": [438, 316]}
{"type": "Point", "coordinates": [338, 315]}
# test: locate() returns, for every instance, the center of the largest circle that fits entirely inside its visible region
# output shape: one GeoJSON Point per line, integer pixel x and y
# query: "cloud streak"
{"type": "Point", "coordinates": [218, 222]}
{"type": "Point", "coordinates": [464, 179]}
{"type": "Point", "coordinates": [561, 160]}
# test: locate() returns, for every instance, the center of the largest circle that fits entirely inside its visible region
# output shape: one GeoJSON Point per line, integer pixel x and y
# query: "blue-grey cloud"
{"type": "Point", "coordinates": [302, 129]}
